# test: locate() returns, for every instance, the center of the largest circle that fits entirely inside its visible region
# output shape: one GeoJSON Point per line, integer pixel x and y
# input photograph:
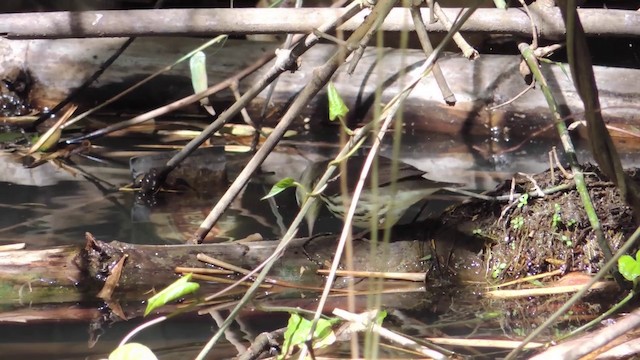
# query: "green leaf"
{"type": "Point", "coordinates": [132, 351]}
{"type": "Point", "coordinates": [198, 67]}
{"type": "Point", "coordinates": [629, 267]}
{"type": "Point", "coordinates": [500, 4]}
{"type": "Point", "coordinates": [337, 108]}
{"type": "Point", "coordinates": [279, 187]}
{"type": "Point", "coordinates": [178, 289]}
{"type": "Point", "coordinates": [523, 200]}
{"type": "Point", "coordinates": [380, 317]}
{"type": "Point", "coordinates": [298, 330]}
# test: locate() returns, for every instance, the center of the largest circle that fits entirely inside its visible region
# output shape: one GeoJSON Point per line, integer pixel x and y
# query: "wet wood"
{"type": "Point", "coordinates": [61, 65]}
{"type": "Point", "coordinates": [73, 273]}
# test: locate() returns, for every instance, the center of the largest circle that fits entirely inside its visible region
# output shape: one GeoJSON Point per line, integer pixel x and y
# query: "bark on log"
{"type": "Point", "coordinates": [204, 22]}
{"type": "Point", "coordinates": [61, 65]}
{"type": "Point", "coordinates": [72, 273]}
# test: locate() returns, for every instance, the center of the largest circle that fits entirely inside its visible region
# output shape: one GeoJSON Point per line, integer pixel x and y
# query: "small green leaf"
{"type": "Point", "coordinates": [629, 267]}
{"type": "Point", "coordinates": [279, 187]}
{"type": "Point", "coordinates": [198, 67]}
{"type": "Point", "coordinates": [380, 317]}
{"type": "Point", "coordinates": [178, 289]}
{"type": "Point", "coordinates": [337, 108]}
{"type": "Point", "coordinates": [298, 330]}
{"type": "Point", "coordinates": [132, 351]}
{"type": "Point", "coordinates": [523, 200]}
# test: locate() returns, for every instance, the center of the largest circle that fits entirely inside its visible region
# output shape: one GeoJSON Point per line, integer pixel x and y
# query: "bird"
{"type": "Point", "coordinates": [411, 187]}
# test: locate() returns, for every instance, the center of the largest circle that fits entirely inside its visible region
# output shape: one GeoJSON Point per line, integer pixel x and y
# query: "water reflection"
{"type": "Point", "coordinates": [64, 207]}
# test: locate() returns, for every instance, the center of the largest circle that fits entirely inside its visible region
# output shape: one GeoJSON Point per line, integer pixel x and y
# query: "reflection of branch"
{"type": "Point", "coordinates": [181, 22]}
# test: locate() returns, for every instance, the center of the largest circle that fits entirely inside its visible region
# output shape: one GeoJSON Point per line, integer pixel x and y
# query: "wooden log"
{"type": "Point", "coordinates": [72, 273]}
{"type": "Point", "coordinates": [204, 22]}
{"type": "Point", "coordinates": [61, 65]}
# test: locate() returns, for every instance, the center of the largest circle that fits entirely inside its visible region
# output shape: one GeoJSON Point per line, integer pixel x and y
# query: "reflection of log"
{"type": "Point", "coordinates": [71, 273]}
{"type": "Point", "coordinates": [60, 65]}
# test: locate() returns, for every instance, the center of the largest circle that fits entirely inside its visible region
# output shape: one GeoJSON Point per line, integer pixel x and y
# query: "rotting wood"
{"type": "Point", "coordinates": [61, 65]}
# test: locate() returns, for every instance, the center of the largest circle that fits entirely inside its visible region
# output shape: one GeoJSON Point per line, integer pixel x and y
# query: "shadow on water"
{"type": "Point", "coordinates": [46, 207]}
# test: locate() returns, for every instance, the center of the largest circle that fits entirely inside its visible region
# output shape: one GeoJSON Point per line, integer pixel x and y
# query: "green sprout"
{"type": "Point", "coordinates": [517, 222]}
{"type": "Point", "coordinates": [629, 267]}
{"type": "Point", "coordinates": [556, 220]}
{"type": "Point", "coordinates": [498, 270]}
{"type": "Point", "coordinates": [298, 330]}
{"type": "Point", "coordinates": [523, 201]}
{"type": "Point", "coordinates": [566, 240]}
{"type": "Point", "coordinates": [281, 186]}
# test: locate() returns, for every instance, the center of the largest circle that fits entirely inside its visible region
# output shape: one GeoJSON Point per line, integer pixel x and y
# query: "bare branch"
{"type": "Point", "coordinates": [180, 22]}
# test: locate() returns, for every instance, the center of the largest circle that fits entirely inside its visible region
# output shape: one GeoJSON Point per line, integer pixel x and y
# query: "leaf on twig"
{"type": "Point", "coordinates": [279, 187]}
{"type": "Point", "coordinates": [178, 289]}
{"type": "Point", "coordinates": [629, 267]}
{"type": "Point", "coordinates": [298, 330]}
{"type": "Point", "coordinates": [337, 107]}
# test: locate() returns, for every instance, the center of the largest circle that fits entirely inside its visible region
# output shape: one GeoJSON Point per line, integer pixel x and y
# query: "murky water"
{"type": "Point", "coordinates": [46, 207]}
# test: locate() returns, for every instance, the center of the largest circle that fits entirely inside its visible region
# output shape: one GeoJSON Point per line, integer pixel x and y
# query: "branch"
{"type": "Point", "coordinates": [205, 22]}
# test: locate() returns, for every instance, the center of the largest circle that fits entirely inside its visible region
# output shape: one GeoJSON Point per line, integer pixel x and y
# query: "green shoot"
{"type": "Point", "coordinates": [337, 108]}
{"type": "Point", "coordinates": [281, 186]}
{"type": "Point", "coordinates": [178, 289]}
{"type": "Point", "coordinates": [298, 331]}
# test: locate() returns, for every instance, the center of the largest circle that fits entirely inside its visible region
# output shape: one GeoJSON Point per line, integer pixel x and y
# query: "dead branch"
{"type": "Point", "coordinates": [198, 22]}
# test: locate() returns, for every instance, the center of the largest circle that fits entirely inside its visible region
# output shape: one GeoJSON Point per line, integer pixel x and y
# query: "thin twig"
{"type": "Point", "coordinates": [92, 79]}
{"type": "Point", "coordinates": [421, 31]}
{"type": "Point", "coordinates": [534, 28]}
{"type": "Point", "coordinates": [496, 107]}
{"type": "Point", "coordinates": [82, 88]}
{"type": "Point", "coordinates": [142, 82]}
{"type": "Point", "coordinates": [467, 50]}
{"type": "Point", "coordinates": [362, 45]}
{"type": "Point", "coordinates": [245, 115]}
{"type": "Point", "coordinates": [176, 104]}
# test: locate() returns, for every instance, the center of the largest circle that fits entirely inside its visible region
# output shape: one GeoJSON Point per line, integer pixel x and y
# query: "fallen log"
{"type": "Point", "coordinates": [73, 273]}
{"type": "Point", "coordinates": [205, 22]}
{"type": "Point", "coordinates": [58, 66]}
